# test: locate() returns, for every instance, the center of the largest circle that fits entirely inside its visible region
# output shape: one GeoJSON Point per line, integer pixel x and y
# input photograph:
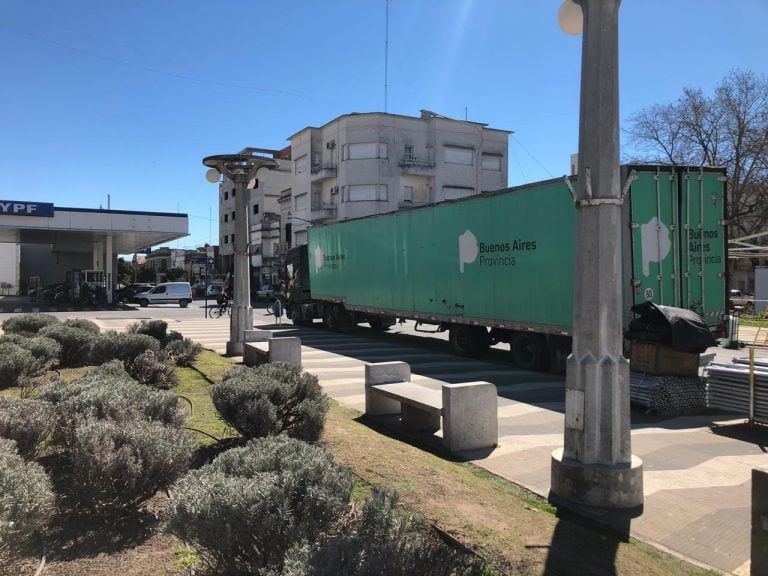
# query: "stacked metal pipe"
{"type": "Point", "coordinates": [728, 386]}
{"type": "Point", "coordinates": [667, 394]}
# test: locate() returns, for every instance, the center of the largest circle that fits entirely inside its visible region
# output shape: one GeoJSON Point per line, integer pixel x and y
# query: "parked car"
{"type": "Point", "coordinates": [125, 294]}
{"type": "Point", "coordinates": [214, 290]}
{"type": "Point", "coordinates": [166, 293]}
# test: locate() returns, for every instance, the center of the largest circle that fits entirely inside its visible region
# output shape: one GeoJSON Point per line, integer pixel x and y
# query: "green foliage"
{"type": "Point", "coordinates": [247, 508]}
{"type": "Point", "coordinates": [27, 502]}
{"type": "Point", "coordinates": [45, 351]}
{"type": "Point", "coordinates": [27, 421]}
{"type": "Point", "coordinates": [108, 392]}
{"type": "Point", "coordinates": [124, 347]}
{"type": "Point", "coordinates": [15, 362]}
{"type": "Point", "coordinates": [382, 540]}
{"type": "Point", "coordinates": [150, 369]}
{"type": "Point", "coordinates": [271, 399]}
{"type": "Point", "coordinates": [75, 343]}
{"type": "Point", "coordinates": [121, 464]}
{"type": "Point", "coordinates": [28, 324]}
{"type": "Point", "coordinates": [83, 324]}
{"type": "Point", "coordinates": [155, 328]}
{"type": "Point", "coordinates": [174, 274]}
{"type": "Point", "coordinates": [182, 352]}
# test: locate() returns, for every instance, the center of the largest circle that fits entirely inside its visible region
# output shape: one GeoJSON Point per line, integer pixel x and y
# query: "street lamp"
{"type": "Point", "coordinates": [595, 467]}
{"type": "Point", "coordinates": [241, 169]}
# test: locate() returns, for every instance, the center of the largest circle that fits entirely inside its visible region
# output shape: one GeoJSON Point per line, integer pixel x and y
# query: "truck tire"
{"type": "Point", "coordinates": [144, 302]}
{"type": "Point", "coordinates": [331, 318]}
{"type": "Point", "coordinates": [469, 341]}
{"type": "Point", "coordinates": [297, 316]}
{"type": "Point", "coordinates": [183, 303]}
{"type": "Point", "coordinates": [529, 351]}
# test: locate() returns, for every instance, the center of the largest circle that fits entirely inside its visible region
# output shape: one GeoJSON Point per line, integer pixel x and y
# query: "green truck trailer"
{"type": "Point", "coordinates": [499, 267]}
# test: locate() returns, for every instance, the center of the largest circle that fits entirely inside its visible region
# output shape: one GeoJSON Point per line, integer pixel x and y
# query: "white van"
{"type": "Point", "coordinates": [166, 293]}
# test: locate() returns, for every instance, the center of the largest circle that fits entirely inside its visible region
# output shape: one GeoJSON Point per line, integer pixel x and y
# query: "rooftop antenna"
{"type": "Point", "coordinates": [386, 50]}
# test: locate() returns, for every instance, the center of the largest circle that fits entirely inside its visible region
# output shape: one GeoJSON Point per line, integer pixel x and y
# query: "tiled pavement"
{"type": "Point", "coordinates": [696, 468]}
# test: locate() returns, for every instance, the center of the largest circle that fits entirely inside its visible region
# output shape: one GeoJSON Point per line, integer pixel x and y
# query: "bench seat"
{"type": "Point", "coordinates": [467, 413]}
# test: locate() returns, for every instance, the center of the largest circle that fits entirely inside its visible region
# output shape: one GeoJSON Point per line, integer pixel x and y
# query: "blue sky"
{"type": "Point", "coordinates": [125, 98]}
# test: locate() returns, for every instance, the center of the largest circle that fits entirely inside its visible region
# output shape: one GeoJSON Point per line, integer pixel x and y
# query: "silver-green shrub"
{"type": "Point", "coordinates": [27, 502]}
{"type": "Point", "coordinates": [29, 422]}
{"type": "Point", "coordinates": [125, 347]}
{"type": "Point", "coordinates": [155, 328]}
{"type": "Point", "coordinates": [121, 464]}
{"type": "Point", "coordinates": [28, 324]}
{"type": "Point", "coordinates": [381, 540]}
{"type": "Point", "coordinates": [252, 504]}
{"type": "Point", "coordinates": [108, 392]}
{"type": "Point", "coordinates": [151, 369]}
{"type": "Point", "coordinates": [15, 362]}
{"type": "Point", "coordinates": [75, 343]}
{"type": "Point", "coordinates": [272, 399]}
{"type": "Point", "coordinates": [181, 352]}
{"type": "Point", "coordinates": [83, 324]}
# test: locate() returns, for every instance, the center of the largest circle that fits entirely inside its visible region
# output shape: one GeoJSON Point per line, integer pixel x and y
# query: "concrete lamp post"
{"type": "Point", "coordinates": [241, 169]}
{"type": "Point", "coordinates": [596, 467]}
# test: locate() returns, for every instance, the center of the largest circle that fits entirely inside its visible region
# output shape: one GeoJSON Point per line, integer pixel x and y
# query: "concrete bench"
{"type": "Point", "coordinates": [259, 347]}
{"type": "Point", "coordinates": [468, 412]}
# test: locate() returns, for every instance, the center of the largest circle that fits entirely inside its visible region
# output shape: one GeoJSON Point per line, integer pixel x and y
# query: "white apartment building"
{"type": "Point", "coordinates": [357, 165]}
{"type": "Point", "coordinates": [267, 246]}
{"type": "Point", "coordinates": [363, 164]}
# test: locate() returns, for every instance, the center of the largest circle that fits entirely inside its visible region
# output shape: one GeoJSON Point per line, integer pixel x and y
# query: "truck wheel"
{"type": "Point", "coordinates": [331, 319]}
{"type": "Point", "coordinates": [469, 341]}
{"type": "Point", "coordinates": [297, 316]}
{"type": "Point", "coordinates": [529, 351]}
{"type": "Point", "coordinates": [144, 302]}
{"type": "Point", "coordinates": [183, 303]}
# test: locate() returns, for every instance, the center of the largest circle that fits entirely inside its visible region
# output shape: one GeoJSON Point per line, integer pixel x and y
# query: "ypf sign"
{"type": "Point", "coordinates": [17, 208]}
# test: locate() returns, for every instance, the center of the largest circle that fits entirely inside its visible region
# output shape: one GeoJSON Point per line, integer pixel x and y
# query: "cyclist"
{"type": "Point", "coordinates": [224, 298]}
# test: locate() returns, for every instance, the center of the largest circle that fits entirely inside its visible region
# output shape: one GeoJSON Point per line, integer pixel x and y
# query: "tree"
{"type": "Point", "coordinates": [728, 129]}
{"type": "Point", "coordinates": [174, 274]}
{"type": "Point", "coordinates": [125, 271]}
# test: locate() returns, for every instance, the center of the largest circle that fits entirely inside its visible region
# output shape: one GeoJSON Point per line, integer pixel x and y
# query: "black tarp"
{"type": "Point", "coordinates": [679, 328]}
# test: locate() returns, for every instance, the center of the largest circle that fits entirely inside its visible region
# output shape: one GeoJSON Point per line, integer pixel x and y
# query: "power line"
{"type": "Point", "coordinates": [531, 155]}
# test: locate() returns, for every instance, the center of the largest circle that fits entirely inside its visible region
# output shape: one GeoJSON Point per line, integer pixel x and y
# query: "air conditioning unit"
{"type": "Point", "coordinates": [334, 189]}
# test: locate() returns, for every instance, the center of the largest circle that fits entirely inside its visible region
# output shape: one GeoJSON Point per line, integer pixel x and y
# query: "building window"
{"type": "Point", "coordinates": [233, 192]}
{"type": "Point", "coordinates": [453, 192]}
{"type": "Point", "coordinates": [233, 216]}
{"type": "Point", "coordinates": [226, 217]}
{"type": "Point", "coordinates": [459, 155]}
{"type": "Point", "coordinates": [365, 151]}
{"type": "Point", "coordinates": [226, 239]}
{"type": "Point", "coordinates": [408, 152]}
{"type": "Point", "coordinates": [365, 193]}
{"type": "Point", "coordinates": [300, 202]}
{"type": "Point", "coordinates": [226, 194]}
{"type": "Point", "coordinates": [255, 208]}
{"type": "Point", "coordinates": [232, 238]}
{"type": "Point", "coordinates": [492, 162]}
{"type": "Point", "coordinates": [300, 164]}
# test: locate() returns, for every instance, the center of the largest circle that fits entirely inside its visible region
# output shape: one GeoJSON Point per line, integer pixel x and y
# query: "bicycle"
{"type": "Point", "coordinates": [223, 308]}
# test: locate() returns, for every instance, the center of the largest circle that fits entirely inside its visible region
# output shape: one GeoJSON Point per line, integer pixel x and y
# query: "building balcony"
{"type": "Point", "coordinates": [323, 172]}
{"type": "Point", "coordinates": [410, 163]}
{"type": "Point", "coordinates": [323, 211]}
